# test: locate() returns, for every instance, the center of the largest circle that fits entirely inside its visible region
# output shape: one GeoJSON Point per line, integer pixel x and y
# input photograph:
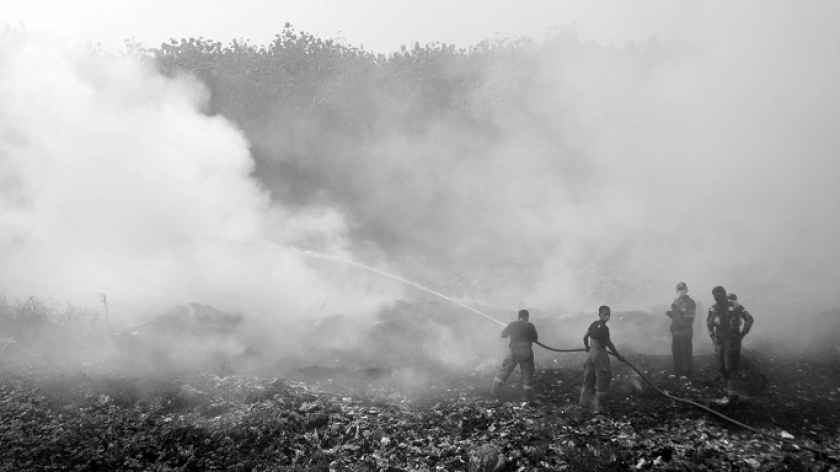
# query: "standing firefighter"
{"type": "Point", "coordinates": [734, 299]}
{"type": "Point", "coordinates": [596, 371]}
{"type": "Point", "coordinates": [682, 329]}
{"type": "Point", "coordinates": [724, 323]}
{"type": "Point", "coordinates": [522, 334]}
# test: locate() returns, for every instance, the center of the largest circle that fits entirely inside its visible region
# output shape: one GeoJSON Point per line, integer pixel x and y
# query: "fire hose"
{"type": "Point", "coordinates": [703, 407]}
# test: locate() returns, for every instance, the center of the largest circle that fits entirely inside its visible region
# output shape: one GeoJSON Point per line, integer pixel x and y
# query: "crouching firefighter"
{"type": "Point", "coordinates": [596, 371]}
{"type": "Point", "coordinates": [724, 324]}
{"type": "Point", "coordinates": [522, 334]}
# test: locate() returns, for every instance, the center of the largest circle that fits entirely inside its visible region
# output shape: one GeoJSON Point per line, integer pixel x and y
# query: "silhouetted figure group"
{"type": "Point", "coordinates": [727, 322]}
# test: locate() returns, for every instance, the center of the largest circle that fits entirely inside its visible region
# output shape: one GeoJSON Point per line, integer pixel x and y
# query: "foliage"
{"type": "Point", "coordinates": [300, 76]}
{"type": "Point", "coordinates": [328, 123]}
{"type": "Point", "coordinates": [54, 329]}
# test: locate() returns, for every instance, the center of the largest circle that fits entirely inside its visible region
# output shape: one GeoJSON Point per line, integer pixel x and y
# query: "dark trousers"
{"type": "Point", "coordinates": [524, 357]}
{"type": "Point", "coordinates": [729, 356]}
{"type": "Point", "coordinates": [597, 372]}
{"type": "Point", "coordinates": [681, 347]}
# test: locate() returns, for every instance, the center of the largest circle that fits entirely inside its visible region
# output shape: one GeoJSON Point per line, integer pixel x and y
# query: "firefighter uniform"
{"type": "Point", "coordinates": [728, 323]}
{"type": "Point", "coordinates": [522, 334]}
{"type": "Point", "coordinates": [682, 331]}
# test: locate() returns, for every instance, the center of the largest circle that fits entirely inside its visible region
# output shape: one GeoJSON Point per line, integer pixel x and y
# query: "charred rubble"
{"type": "Point", "coordinates": [391, 402]}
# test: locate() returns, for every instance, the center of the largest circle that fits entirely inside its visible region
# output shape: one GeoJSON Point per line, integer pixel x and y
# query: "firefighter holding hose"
{"type": "Point", "coordinates": [522, 334]}
{"type": "Point", "coordinates": [597, 373]}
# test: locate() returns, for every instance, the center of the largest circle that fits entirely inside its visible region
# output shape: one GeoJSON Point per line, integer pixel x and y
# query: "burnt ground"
{"type": "Point", "coordinates": [325, 416]}
{"type": "Point", "coordinates": [165, 397]}
{"type": "Point", "coordinates": [797, 394]}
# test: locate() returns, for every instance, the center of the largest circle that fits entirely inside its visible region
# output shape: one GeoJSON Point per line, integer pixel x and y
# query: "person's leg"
{"type": "Point", "coordinates": [732, 386]}
{"type": "Point", "coordinates": [588, 387]}
{"type": "Point", "coordinates": [685, 355]}
{"type": "Point", "coordinates": [676, 353]}
{"type": "Point", "coordinates": [528, 368]}
{"type": "Point", "coordinates": [688, 354]}
{"type": "Point", "coordinates": [604, 377]}
{"type": "Point", "coordinates": [733, 357]}
{"type": "Point", "coordinates": [720, 351]}
{"type": "Point", "coordinates": [508, 364]}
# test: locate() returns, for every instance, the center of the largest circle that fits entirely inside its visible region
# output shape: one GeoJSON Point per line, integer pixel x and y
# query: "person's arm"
{"type": "Point", "coordinates": [506, 331]}
{"type": "Point", "coordinates": [710, 324]}
{"type": "Point", "coordinates": [532, 335]}
{"type": "Point", "coordinates": [586, 341]}
{"type": "Point", "coordinates": [748, 322]}
{"type": "Point", "coordinates": [611, 346]}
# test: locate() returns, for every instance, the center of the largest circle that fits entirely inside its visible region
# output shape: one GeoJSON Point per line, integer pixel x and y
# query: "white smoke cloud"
{"type": "Point", "coordinates": [113, 181]}
{"type": "Point", "coordinates": [709, 158]}
{"type": "Point", "coordinates": [713, 163]}
{"type": "Point", "coordinates": [715, 166]}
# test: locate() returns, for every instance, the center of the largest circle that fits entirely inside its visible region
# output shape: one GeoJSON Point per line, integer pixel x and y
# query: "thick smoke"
{"type": "Point", "coordinates": [716, 166]}
{"type": "Point", "coordinates": [619, 171]}
{"type": "Point", "coordinates": [710, 159]}
{"type": "Point", "coordinates": [113, 181]}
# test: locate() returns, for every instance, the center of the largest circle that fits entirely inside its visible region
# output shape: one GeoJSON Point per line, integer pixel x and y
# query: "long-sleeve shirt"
{"type": "Point", "coordinates": [724, 322]}
{"type": "Point", "coordinates": [520, 331]}
{"type": "Point", "coordinates": [682, 316]}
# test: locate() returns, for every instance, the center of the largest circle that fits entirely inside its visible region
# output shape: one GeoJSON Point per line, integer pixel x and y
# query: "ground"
{"type": "Point", "coordinates": [325, 416]}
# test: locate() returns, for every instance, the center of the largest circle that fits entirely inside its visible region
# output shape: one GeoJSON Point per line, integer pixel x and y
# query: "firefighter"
{"type": "Point", "coordinates": [725, 329]}
{"type": "Point", "coordinates": [682, 331]}
{"type": "Point", "coordinates": [596, 371]}
{"type": "Point", "coordinates": [734, 299]}
{"type": "Point", "coordinates": [522, 334]}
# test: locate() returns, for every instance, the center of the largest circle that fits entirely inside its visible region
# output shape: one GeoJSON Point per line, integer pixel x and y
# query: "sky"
{"type": "Point", "coordinates": [377, 25]}
{"type": "Point", "coordinates": [717, 168]}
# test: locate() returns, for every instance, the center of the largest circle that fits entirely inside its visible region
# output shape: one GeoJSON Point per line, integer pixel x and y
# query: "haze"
{"type": "Point", "coordinates": [716, 167]}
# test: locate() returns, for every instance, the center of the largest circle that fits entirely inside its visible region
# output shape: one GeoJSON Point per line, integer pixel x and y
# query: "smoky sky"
{"type": "Point", "coordinates": [714, 164]}
{"type": "Point", "coordinates": [115, 182]}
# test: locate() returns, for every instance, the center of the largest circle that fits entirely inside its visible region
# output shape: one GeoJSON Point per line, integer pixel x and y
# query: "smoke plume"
{"type": "Point", "coordinates": [114, 181]}
{"type": "Point", "coordinates": [707, 157]}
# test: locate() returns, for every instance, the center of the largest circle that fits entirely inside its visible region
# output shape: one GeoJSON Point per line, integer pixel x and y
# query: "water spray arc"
{"type": "Point", "coordinates": [416, 285]}
{"type": "Point", "coordinates": [394, 277]}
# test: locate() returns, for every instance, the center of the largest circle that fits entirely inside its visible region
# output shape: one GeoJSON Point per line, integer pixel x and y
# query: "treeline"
{"type": "Point", "coordinates": [302, 99]}
{"type": "Point", "coordinates": [333, 124]}
{"type": "Point", "coordinates": [353, 89]}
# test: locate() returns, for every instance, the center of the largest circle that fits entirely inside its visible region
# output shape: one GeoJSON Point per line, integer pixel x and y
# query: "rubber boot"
{"type": "Point", "coordinates": [585, 398]}
{"type": "Point", "coordinates": [494, 389]}
{"type": "Point", "coordinates": [598, 404]}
